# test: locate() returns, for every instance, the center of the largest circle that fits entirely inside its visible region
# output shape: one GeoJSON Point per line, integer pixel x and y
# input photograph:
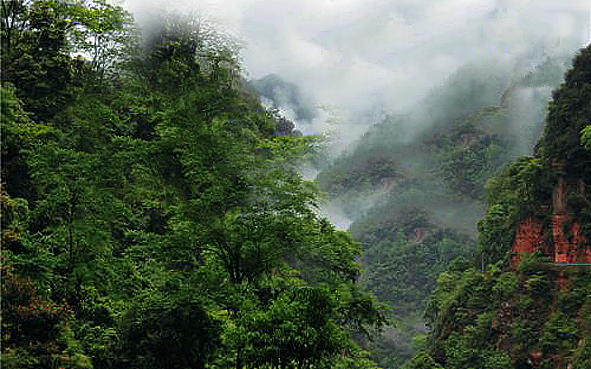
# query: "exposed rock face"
{"type": "Point", "coordinates": [568, 242]}
{"type": "Point", "coordinates": [566, 246]}
{"type": "Point", "coordinates": [529, 238]}
{"type": "Point", "coordinates": [559, 197]}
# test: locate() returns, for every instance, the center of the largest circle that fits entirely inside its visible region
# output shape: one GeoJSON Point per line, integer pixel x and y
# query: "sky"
{"type": "Point", "coordinates": [360, 55]}
{"type": "Point", "coordinates": [360, 59]}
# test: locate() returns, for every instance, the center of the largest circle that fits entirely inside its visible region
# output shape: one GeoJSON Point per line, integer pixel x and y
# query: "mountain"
{"type": "Point", "coordinates": [530, 307]}
{"type": "Point", "coordinates": [278, 93]}
{"type": "Point", "coordinates": [414, 184]}
{"type": "Point", "coordinates": [152, 212]}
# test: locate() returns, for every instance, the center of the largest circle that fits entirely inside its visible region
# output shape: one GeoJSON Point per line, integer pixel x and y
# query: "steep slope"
{"type": "Point", "coordinates": [414, 185]}
{"type": "Point", "coordinates": [531, 307]}
{"type": "Point", "coordinates": [151, 211]}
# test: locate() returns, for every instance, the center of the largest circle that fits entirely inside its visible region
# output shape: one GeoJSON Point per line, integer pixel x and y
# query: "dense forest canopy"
{"type": "Point", "coordinates": [152, 213]}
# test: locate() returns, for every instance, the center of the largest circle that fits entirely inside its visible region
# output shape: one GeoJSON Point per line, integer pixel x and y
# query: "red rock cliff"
{"type": "Point", "coordinates": [568, 244]}
{"type": "Point", "coordinates": [528, 238]}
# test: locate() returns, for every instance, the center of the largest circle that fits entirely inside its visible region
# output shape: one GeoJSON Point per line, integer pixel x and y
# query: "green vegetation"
{"type": "Point", "coordinates": [506, 319]}
{"type": "Point", "coordinates": [517, 192]}
{"type": "Point", "coordinates": [416, 195]}
{"type": "Point", "coordinates": [536, 316]}
{"type": "Point", "coordinates": [152, 214]}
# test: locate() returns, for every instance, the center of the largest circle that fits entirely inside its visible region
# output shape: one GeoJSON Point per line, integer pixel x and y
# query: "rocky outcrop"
{"type": "Point", "coordinates": [567, 245]}
{"type": "Point", "coordinates": [528, 238]}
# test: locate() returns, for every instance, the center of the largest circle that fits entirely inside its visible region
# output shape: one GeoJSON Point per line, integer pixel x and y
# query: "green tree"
{"type": "Point", "coordinates": [568, 115]}
{"type": "Point", "coordinates": [168, 329]}
{"type": "Point", "coordinates": [297, 330]}
{"type": "Point", "coordinates": [104, 32]}
{"type": "Point", "coordinates": [37, 59]}
{"type": "Point", "coordinates": [167, 212]}
{"type": "Point", "coordinates": [422, 360]}
{"type": "Point", "coordinates": [36, 332]}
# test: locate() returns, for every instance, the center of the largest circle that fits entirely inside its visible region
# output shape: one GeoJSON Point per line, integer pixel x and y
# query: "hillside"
{"type": "Point", "coordinates": [531, 306]}
{"type": "Point", "coordinates": [152, 211]}
{"type": "Point", "coordinates": [414, 185]}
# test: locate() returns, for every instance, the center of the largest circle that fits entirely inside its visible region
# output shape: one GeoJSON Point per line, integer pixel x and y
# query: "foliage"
{"type": "Point", "coordinates": [536, 314]}
{"type": "Point", "coordinates": [517, 192]}
{"type": "Point", "coordinates": [152, 213]}
{"type": "Point", "coordinates": [560, 334]}
{"type": "Point", "coordinates": [405, 271]}
{"type": "Point", "coordinates": [297, 330]}
{"type": "Point", "coordinates": [402, 258]}
{"type": "Point", "coordinates": [433, 161]}
{"type": "Point", "coordinates": [422, 360]}
{"type": "Point", "coordinates": [496, 319]}
{"type": "Point", "coordinates": [171, 329]}
{"type": "Point", "coordinates": [470, 155]}
{"type": "Point", "coordinates": [35, 331]}
{"type": "Point", "coordinates": [568, 115]}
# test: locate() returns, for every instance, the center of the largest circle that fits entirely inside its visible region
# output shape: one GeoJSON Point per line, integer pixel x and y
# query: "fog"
{"type": "Point", "coordinates": [336, 67]}
{"type": "Point", "coordinates": [387, 81]}
{"type": "Point", "coordinates": [362, 55]}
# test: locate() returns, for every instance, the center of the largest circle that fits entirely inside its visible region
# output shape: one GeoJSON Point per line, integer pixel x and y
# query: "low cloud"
{"type": "Point", "coordinates": [356, 55]}
{"type": "Point", "coordinates": [358, 61]}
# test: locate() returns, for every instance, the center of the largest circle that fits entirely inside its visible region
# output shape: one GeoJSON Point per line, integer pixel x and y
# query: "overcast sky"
{"type": "Point", "coordinates": [354, 55]}
{"type": "Point", "coordinates": [382, 56]}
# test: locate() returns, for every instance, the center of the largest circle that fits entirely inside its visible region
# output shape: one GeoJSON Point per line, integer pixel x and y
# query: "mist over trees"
{"type": "Point", "coordinates": [152, 214]}
{"type": "Point", "coordinates": [415, 186]}
{"type": "Point", "coordinates": [535, 314]}
{"type": "Point", "coordinates": [416, 219]}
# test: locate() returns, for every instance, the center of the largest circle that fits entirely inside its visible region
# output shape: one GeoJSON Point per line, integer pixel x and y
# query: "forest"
{"type": "Point", "coordinates": [527, 309]}
{"type": "Point", "coordinates": [154, 212]}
